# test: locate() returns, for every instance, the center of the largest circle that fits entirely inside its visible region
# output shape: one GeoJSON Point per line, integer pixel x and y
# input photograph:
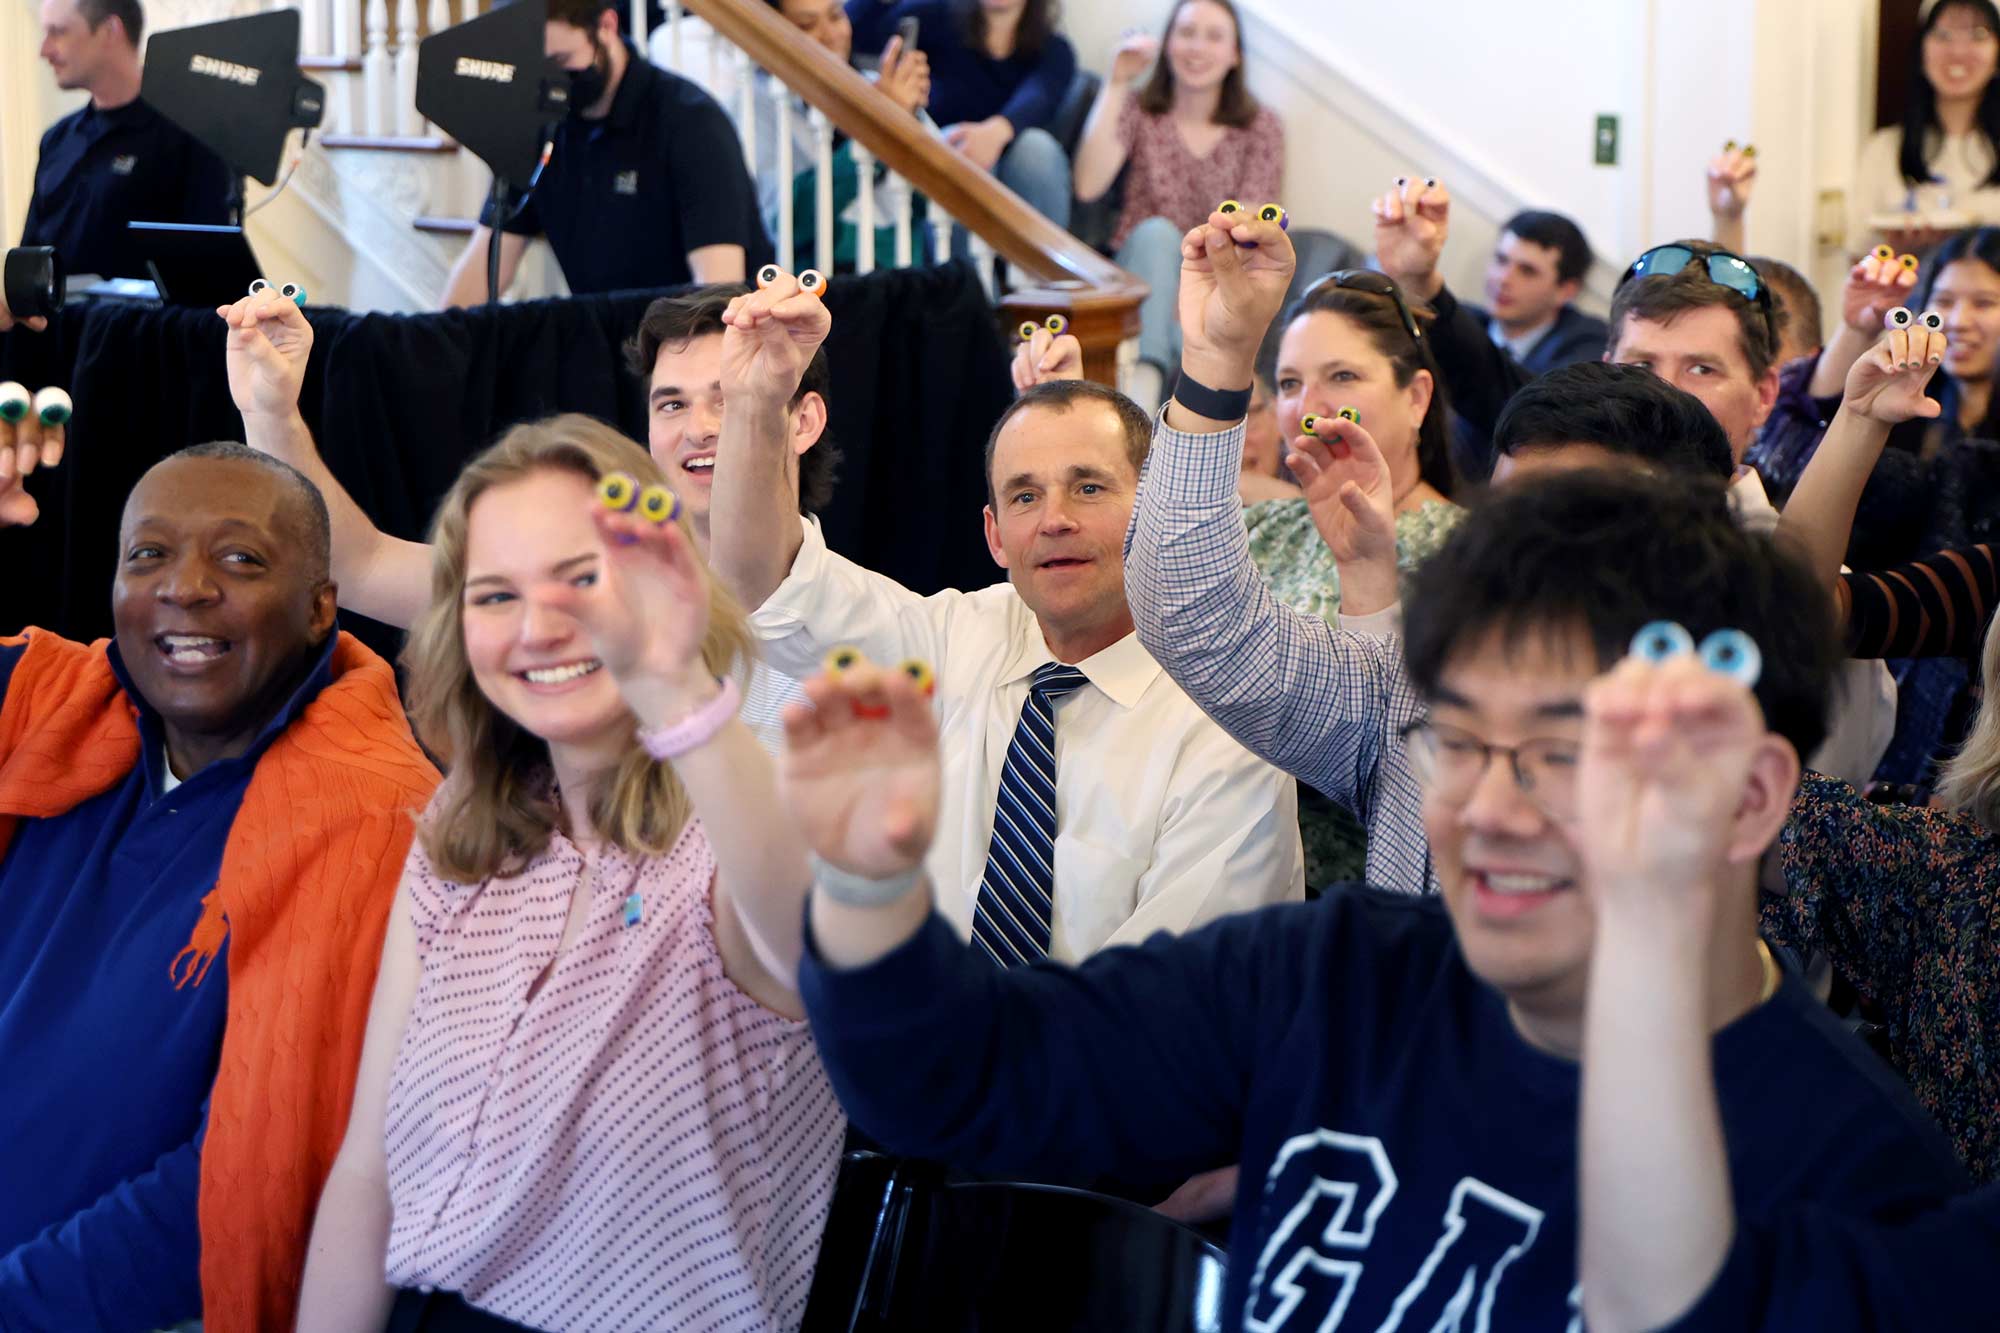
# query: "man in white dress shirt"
{"type": "Point", "coordinates": [1160, 820]}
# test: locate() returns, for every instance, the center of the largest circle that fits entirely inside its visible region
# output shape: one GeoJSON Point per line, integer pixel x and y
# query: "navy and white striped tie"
{"type": "Point", "coordinates": [1016, 895]}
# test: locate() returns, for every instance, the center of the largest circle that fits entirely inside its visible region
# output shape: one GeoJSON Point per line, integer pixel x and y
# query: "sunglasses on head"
{"type": "Point", "coordinates": [1375, 284]}
{"type": "Point", "coordinates": [1724, 270]}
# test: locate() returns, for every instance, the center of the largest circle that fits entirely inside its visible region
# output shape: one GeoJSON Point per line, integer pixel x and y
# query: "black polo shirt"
{"type": "Point", "coordinates": [102, 169]}
{"type": "Point", "coordinates": [623, 199]}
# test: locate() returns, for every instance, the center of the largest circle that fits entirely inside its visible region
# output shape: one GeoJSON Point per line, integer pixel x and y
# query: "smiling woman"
{"type": "Point", "coordinates": [1940, 166]}
{"type": "Point", "coordinates": [1189, 138]}
{"type": "Point", "coordinates": [504, 688]}
{"type": "Point", "coordinates": [597, 885]}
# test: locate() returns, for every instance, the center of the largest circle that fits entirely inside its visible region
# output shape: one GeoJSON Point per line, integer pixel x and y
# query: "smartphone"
{"type": "Point", "coordinates": [907, 30]}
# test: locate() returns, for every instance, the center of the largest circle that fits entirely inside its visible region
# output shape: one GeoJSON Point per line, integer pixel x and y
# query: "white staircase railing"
{"type": "Point", "coordinates": [365, 51]}
{"type": "Point", "coordinates": [379, 103]}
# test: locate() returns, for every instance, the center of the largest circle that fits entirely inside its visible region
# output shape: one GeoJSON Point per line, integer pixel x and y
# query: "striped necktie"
{"type": "Point", "coordinates": [1011, 920]}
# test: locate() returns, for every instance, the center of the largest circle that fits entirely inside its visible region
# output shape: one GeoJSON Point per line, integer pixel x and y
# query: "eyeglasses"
{"type": "Point", "coordinates": [1724, 269]}
{"type": "Point", "coordinates": [1450, 763]}
{"type": "Point", "coordinates": [1375, 284]}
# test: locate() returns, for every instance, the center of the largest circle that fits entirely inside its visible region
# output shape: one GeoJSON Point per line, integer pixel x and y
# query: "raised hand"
{"type": "Point", "coordinates": [27, 442]}
{"type": "Point", "coordinates": [1667, 750]}
{"type": "Point", "coordinates": [266, 351]}
{"type": "Point", "coordinates": [1887, 382]}
{"type": "Point", "coordinates": [29, 438]}
{"type": "Point", "coordinates": [1135, 55]}
{"type": "Point", "coordinates": [1235, 269]}
{"type": "Point", "coordinates": [769, 335]}
{"type": "Point", "coordinates": [1412, 223]}
{"type": "Point", "coordinates": [1732, 176]}
{"type": "Point", "coordinates": [1046, 355]}
{"type": "Point", "coordinates": [9, 320]}
{"type": "Point", "coordinates": [982, 141]}
{"type": "Point", "coordinates": [905, 76]}
{"type": "Point", "coordinates": [1882, 281]}
{"type": "Point", "coordinates": [861, 773]}
{"type": "Point", "coordinates": [1348, 489]}
{"type": "Point", "coordinates": [647, 613]}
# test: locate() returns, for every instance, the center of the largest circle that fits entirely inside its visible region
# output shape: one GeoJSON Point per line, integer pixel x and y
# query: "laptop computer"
{"type": "Point", "coordinates": [196, 265]}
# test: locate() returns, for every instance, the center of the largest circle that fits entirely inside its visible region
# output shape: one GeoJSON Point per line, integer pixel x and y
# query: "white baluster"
{"type": "Point", "coordinates": [437, 17]}
{"type": "Point", "coordinates": [903, 196]}
{"type": "Point", "coordinates": [941, 224]}
{"type": "Point", "coordinates": [1128, 363]}
{"type": "Point", "coordinates": [746, 108]}
{"type": "Point", "coordinates": [781, 99]}
{"type": "Point", "coordinates": [864, 239]}
{"type": "Point", "coordinates": [640, 9]}
{"type": "Point", "coordinates": [982, 260]}
{"type": "Point", "coordinates": [312, 28]}
{"type": "Point", "coordinates": [822, 129]}
{"type": "Point", "coordinates": [408, 122]}
{"type": "Point", "coordinates": [378, 73]}
{"type": "Point", "coordinates": [674, 34]}
{"type": "Point", "coordinates": [345, 28]}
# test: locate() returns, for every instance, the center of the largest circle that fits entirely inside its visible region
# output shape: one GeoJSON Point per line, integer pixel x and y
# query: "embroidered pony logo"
{"type": "Point", "coordinates": [202, 946]}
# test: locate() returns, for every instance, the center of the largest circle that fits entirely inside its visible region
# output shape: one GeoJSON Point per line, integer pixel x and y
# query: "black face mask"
{"type": "Point", "coordinates": [587, 85]}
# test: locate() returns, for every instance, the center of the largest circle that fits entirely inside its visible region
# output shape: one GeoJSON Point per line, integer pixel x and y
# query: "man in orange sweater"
{"type": "Point", "coordinates": [230, 780]}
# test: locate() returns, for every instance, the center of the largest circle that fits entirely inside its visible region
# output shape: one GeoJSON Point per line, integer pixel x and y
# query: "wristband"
{"type": "Point", "coordinates": [1215, 404]}
{"type": "Point", "coordinates": [696, 729]}
{"type": "Point", "coordinates": [860, 891]}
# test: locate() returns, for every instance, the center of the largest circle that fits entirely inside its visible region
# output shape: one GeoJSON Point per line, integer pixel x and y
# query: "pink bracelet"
{"type": "Point", "coordinates": [696, 729]}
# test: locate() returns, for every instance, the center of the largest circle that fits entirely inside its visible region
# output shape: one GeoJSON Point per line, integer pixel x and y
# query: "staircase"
{"type": "Point", "coordinates": [380, 203]}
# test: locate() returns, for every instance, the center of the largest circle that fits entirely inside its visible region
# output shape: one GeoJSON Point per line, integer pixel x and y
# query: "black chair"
{"type": "Point", "coordinates": [907, 1251]}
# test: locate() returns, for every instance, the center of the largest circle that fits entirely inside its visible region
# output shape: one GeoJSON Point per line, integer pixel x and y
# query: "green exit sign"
{"type": "Point", "coordinates": [1605, 143]}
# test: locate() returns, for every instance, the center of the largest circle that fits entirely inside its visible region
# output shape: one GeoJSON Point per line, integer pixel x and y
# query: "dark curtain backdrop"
{"type": "Point", "coordinates": [399, 402]}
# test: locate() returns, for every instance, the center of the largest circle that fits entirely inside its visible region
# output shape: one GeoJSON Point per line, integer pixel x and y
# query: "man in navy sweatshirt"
{"type": "Point", "coordinates": [227, 780]}
{"type": "Point", "coordinates": [1664, 1245]}
{"type": "Point", "coordinates": [1398, 1077]}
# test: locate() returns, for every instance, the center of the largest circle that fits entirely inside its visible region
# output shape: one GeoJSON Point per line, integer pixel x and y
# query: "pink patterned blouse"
{"type": "Point", "coordinates": [1164, 179]}
{"type": "Point", "coordinates": [640, 1145]}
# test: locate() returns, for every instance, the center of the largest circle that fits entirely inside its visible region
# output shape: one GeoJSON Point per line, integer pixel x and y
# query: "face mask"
{"type": "Point", "coordinates": [586, 85]}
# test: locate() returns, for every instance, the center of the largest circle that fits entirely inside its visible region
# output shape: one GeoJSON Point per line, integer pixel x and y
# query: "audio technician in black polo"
{"type": "Point", "coordinates": [645, 185]}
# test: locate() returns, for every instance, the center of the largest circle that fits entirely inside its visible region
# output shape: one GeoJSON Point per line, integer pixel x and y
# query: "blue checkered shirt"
{"type": "Point", "coordinates": [1328, 706]}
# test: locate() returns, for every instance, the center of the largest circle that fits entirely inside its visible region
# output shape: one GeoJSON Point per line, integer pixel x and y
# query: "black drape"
{"type": "Point", "coordinates": [399, 402]}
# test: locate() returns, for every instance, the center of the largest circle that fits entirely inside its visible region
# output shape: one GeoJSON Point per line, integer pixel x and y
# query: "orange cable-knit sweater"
{"type": "Point", "coordinates": [308, 873]}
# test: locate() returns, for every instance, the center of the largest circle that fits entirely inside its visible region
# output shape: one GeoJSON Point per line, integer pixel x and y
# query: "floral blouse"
{"type": "Point", "coordinates": [1905, 902]}
{"type": "Point", "coordinates": [1295, 562]}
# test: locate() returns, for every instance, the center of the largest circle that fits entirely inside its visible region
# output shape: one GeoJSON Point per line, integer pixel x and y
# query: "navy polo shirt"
{"type": "Point", "coordinates": [108, 1063]}
{"type": "Point", "coordinates": [102, 169]}
{"type": "Point", "coordinates": [623, 199]}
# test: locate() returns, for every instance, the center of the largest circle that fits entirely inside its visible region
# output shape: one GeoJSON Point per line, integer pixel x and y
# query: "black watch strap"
{"type": "Point", "coordinates": [1215, 404]}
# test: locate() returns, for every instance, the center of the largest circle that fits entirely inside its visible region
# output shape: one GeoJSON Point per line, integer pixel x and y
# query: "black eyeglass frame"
{"type": "Point", "coordinates": [1721, 266]}
{"type": "Point", "coordinates": [1374, 284]}
{"type": "Point", "coordinates": [1423, 735]}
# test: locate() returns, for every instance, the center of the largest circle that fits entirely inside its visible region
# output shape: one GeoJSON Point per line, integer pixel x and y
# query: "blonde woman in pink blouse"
{"type": "Point", "coordinates": [588, 1100]}
{"type": "Point", "coordinates": [1191, 138]}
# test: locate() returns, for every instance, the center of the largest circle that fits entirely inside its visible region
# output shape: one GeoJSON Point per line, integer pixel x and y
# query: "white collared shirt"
{"type": "Point", "coordinates": [1163, 822]}
{"type": "Point", "coordinates": [1520, 345]}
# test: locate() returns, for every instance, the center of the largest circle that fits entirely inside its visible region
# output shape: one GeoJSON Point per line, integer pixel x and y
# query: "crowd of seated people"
{"type": "Point", "coordinates": [1488, 815]}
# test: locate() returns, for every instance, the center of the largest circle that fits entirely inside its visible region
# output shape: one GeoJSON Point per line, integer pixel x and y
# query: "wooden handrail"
{"type": "Point", "coordinates": [1100, 299]}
